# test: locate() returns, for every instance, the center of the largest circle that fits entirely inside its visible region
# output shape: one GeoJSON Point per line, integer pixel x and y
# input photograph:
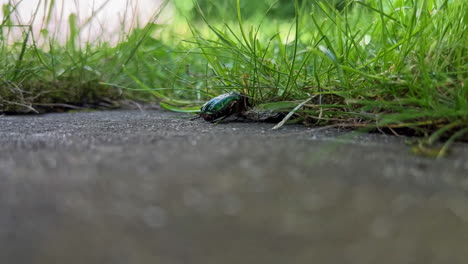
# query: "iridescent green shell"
{"type": "Point", "coordinates": [221, 106]}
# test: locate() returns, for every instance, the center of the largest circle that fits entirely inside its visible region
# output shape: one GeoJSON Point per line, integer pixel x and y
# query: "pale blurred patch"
{"type": "Point", "coordinates": [96, 20]}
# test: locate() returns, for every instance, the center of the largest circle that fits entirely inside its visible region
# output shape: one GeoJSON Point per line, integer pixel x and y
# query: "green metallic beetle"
{"type": "Point", "coordinates": [223, 106]}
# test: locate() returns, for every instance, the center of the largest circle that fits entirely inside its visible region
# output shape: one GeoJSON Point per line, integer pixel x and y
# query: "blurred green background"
{"type": "Point", "coordinates": [280, 9]}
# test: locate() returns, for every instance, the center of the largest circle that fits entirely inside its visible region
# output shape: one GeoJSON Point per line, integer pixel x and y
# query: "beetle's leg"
{"type": "Point", "coordinates": [231, 109]}
{"type": "Point", "coordinates": [218, 120]}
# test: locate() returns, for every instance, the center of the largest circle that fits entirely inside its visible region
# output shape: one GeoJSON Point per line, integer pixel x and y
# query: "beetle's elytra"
{"type": "Point", "coordinates": [223, 106]}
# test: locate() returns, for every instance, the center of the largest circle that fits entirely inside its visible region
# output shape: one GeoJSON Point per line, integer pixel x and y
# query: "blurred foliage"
{"type": "Point", "coordinates": [280, 9]}
{"type": "Point", "coordinates": [222, 9]}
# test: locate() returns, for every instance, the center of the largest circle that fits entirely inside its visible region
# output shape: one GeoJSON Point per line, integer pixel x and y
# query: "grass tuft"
{"type": "Point", "coordinates": [398, 66]}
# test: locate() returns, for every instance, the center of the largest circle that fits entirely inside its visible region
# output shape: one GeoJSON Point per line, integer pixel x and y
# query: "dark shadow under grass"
{"type": "Point", "coordinates": [57, 96]}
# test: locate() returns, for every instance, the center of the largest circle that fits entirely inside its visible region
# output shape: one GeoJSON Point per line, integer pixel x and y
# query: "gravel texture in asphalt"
{"type": "Point", "coordinates": [155, 187]}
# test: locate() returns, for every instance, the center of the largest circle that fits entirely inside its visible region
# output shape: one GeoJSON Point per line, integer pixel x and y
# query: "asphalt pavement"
{"type": "Point", "coordinates": [156, 187]}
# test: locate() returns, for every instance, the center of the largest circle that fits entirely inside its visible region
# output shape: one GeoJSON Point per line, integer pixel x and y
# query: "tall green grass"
{"type": "Point", "coordinates": [40, 72]}
{"type": "Point", "coordinates": [399, 66]}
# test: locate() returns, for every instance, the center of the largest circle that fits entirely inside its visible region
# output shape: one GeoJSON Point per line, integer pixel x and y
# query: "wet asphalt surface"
{"type": "Point", "coordinates": [155, 187]}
